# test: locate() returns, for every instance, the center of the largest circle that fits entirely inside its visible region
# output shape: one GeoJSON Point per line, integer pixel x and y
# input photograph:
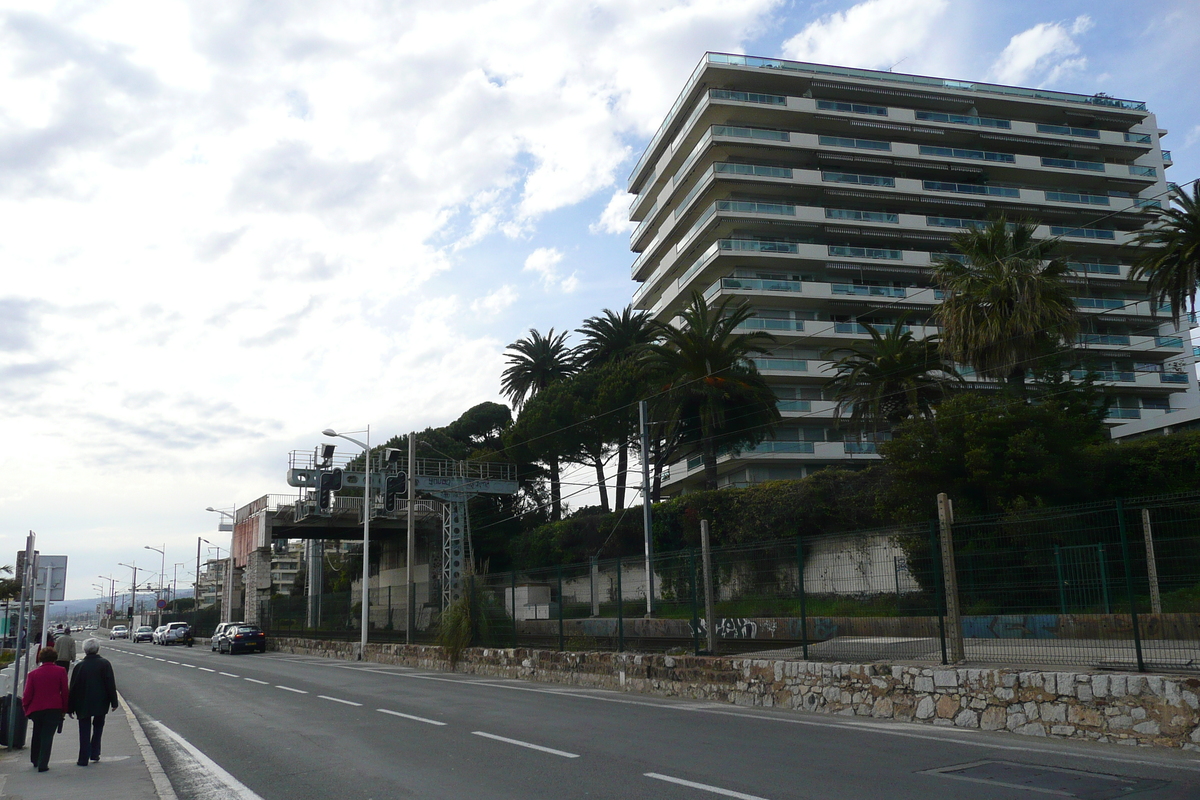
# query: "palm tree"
{"type": "Point", "coordinates": [1006, 302]}
{"type": "Point", "coordinates": [889, 378]}
{"type": "Point", "coordinates": [610, 339]}
{"type": "Point", "coordinates": [715, 392]}
{"type": "Point", "coordinates": [1171, 254]}
{"type": "Point", "coordinates": [533, 364]}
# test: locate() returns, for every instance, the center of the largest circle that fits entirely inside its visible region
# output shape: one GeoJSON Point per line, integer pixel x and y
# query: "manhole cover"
{"type": "Point", "coordinates": [1049, 780]}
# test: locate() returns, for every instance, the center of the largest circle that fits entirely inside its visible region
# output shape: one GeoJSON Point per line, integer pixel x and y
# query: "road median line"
{"type": "Point", "coordinates": [530, 745]}
{"type": "Point", "coordinates": [704, 787]}
{"type": "Point", "coordinates": [409, 716]}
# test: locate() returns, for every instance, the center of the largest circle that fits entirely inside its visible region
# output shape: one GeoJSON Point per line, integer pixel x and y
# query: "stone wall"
{"type": "Point", "coordinates": [1130, 709]}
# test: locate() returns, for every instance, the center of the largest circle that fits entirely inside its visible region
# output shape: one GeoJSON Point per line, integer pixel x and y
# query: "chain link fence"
{"type": "Point", "coordinates": [1107, 585]}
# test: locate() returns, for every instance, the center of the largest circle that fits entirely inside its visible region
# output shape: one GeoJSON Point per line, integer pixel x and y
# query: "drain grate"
{"type": "Point", "coordinates": [1049, 780]}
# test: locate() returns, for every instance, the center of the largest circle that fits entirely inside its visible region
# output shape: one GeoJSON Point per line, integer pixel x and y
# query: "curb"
{"type": "Point", "coordinates": [162, 784]}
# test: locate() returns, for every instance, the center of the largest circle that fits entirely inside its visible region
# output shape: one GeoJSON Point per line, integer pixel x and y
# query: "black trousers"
{"type": "Point", "coordinates": [45, 725]}
{"type": "Point", "coordinates": [90, 731]}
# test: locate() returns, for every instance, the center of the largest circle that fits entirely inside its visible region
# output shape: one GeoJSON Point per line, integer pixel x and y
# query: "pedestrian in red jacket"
{"type": "Point", "coordinates": [45, 700]}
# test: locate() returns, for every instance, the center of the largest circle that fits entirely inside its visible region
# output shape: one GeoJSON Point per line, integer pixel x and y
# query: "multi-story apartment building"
{"type": "Point", "coordinates": [212, 579]}
{"type": "Point", "coordinates": [819, 195]}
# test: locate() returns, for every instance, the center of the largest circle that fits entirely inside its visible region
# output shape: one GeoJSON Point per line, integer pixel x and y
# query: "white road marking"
{"type": "Point", "coordinates": [704, 787]}
{"type": "Point", "coordinates": [176, 663]}
{"type": "Point", "coordinates": [190, 666]}
{"type": "Point", "coordinates": [255, 680]}
{"type": "Point", "coordinates": [204, 777]}
{"type": "Point", "coordinates": [206, 669]}
{"type": "Point", "coordinates": [409, 716]}
{"type": "Point", "coordinates": [229, 675]}
{"type": "Point", "coordinates": [159, 659]}
{"type": "Point", "coordinates": [289, 689]}
{"type": "Point", "coordinates": [519, 743]}
{"type": "Point", "coordinates": [337, 700]}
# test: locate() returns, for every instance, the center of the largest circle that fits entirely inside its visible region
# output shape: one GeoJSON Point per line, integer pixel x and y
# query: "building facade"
{"type": "Point", "coordinates": [820, 196]}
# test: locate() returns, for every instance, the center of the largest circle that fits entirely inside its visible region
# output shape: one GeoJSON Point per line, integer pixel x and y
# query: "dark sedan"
{"type": "Point", "coordinates": [242, 639]}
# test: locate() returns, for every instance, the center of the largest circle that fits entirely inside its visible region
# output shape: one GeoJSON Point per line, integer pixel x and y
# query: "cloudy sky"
{"type": "Point", "coordinates": [227, 226]}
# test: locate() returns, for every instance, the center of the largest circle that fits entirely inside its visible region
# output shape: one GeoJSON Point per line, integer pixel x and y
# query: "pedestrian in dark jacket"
{"type": "Point", "coordinates": [93, 694]}
{"type": "Point", "coordinates": [45, 701]}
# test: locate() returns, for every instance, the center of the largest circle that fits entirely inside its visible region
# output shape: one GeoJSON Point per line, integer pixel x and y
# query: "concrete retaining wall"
{"type": "Point", "coordinates": [1126, 709]}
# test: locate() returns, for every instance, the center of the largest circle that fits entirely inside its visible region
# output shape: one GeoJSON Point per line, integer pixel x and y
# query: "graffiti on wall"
{"type": "Point", "coordinates": [730, 628]}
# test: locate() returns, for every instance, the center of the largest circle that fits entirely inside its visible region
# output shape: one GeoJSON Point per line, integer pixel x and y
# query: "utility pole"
{"type": "Point", "coordinates": [410, 605]}
{"type": "Point", "coordinates": [954, 631]}
{"type": "Point", "coordinates": [646, 508]}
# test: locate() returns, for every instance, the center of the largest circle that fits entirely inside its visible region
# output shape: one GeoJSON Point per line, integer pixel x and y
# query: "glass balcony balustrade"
{"type": "Point", "coordinates": [1071, 163]}
{"type": "Point", "coordinates": [860, 144]}
{"type": "Point", "coordinates": [781, 447]}
{"type": "Point", "coordinates": [861, 216]}
{"type": "Point", "coordinates": [751, 207]}
{"type": "Point", "coordinates": [971, 188]}
{"type": "Point", "coordinates": [1103, 338]}
{"type": "Point", "coordinates": [1064, 130]}
{"type": "Point", "coordinates": [860, 448]}
{"type": "Point", "coordinates": [1169, 341]}
{"type": "Point", "coordinates": [1139, 202]}
{"type": "Point", "coordinates": [858, 327]}
{"type": "Point", "coordinates": [962, 119]}
{"type": "Point", "coordinates": [755, 285]}
{"type": "Point", "coordinates": [750, 133]}
{"type": "Point", "coordinates": [1098, 302]}
{"type": "Point", "coordinates": [1138, 138]}
{"type": "Point", "coordinates": [1111, 376]}
{"type": "Point", "coordinates": [1095, 268]}
{"type": "Point", "coordinates": [858, 290]}
{"type": "Point", "coordinates": [793, 405]}
{"type": "Point", "coordinates": [1146, 172]}
{"type": "Point", "coordinates": [767, 324]}
{"type": "Point", "coordinates": [1082, 233]}
{"type": "Point", "coordinates": [758, 246]}
{"type": "Point", "coordinates": [851, 108]}
{"type": "Point", "coordinates": [860, 180]}
{"type": "Point", "coordinates": [1124, 413]}
{"type": "Point", "coordinates": [1173, 377]}
{"type": "Point", "coordinates": [757, 170]}
{"type": "Point", "coordinates": [956, 222]}
{"type": "Point", "coordinates": [1166, 157]}
{"type": "Point", "coordinates": [1072, 197]}
{"type": "Point", "coordinates": [781, 364]}
{"type": "Point", "coordinates": [748, 97]}
{"type": "Point", "coordinates": [958, 152]}
{"type": "Point", "coordinates": [864, 252]}
{"type": "Point", "coordinates": [641, 228]}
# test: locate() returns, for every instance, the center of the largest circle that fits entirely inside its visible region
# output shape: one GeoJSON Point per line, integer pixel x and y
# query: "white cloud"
{"type": "Point", "coordinates": [495, 302]}
{"type": "Point", "coordinates": [1043, 54]}
{"type": "Point", "coordinates": [1192, 136]}
{"type": "Point", "coordinates": [544, 262]}
{"type": "Point", "coordinates": [615, 217]}
{"type": "Point", "coordinates": [875, 34]}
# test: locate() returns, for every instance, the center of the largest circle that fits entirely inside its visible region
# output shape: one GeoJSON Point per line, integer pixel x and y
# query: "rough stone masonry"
{"type": "Point", "coordinates": [1148, 710]}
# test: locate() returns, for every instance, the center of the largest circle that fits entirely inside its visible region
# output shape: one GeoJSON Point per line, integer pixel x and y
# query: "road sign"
{"type": "Point", "coordinates": [161, 604]}
{"type": "Point", "coordinates": [56, 566]}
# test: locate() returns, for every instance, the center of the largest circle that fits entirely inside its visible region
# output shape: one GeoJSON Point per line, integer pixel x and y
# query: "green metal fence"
{"type": "Point", "coordinates": [1107, 585]}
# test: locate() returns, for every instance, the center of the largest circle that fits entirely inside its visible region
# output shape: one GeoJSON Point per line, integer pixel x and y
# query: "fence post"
{"type": "Point", "coordinates": [803, 599]}
{"type": "Point", "coordinates": [1062, 586]}
{"type": "Point", "coordinates": [1137, 634]}
{"type": "Point", "coordinates": [561, 643]}
{"type": "Point", "coordinates": [710, 622]}
{"type": "Point", "coordinates": [513, 588]}
{"type": "Point", "coordinates": [939, 587]}
{"type": "Point", "coordinates": [954, 629]}
{"type": "Point", "coordinates": [1103, 578]}
{"type": "Point", "coordinates": [620, 612]}
{"type": "Point", "coordinates": [595, 571]}
{"type": "Point", "coordinates": [389, 607]}
{"type": "Point", "coordinates": [695, 603]}
{"type": "Point", "coordinates": [1151, 564]}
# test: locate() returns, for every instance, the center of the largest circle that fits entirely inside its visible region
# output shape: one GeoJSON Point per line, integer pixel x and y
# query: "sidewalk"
{"type": "Point", "coordinates": [127, 769]}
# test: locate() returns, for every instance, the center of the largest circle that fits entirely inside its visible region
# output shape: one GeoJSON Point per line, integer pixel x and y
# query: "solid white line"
{"type": "Point", "coordinates": [289, 689]}
{"type": "Point", "coordinates": [229, 675]}
{"type": "Point", "coordinates": [253, 680]}
{"type": "Point", "coordinates": [704, 787]}
{"type": "Point", "coordinates": [162, 784]}
{"type": "Point", "coordinates": [519, 743]}
{"type": "Point", "coordinates": [233, 788]}
{"type": "Point", "coordinates": [337, 699]}
{"type": "Point", "coordinates": [409, 716]}
{"type": "Point", "coordinates": [206, 669]}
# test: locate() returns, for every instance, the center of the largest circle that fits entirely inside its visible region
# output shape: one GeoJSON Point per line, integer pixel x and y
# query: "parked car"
{"type": "Point", "coordinates": [158, 634]}
{"type": "Point", "coordinates": [118, 632]}
{"type": "Point", "coordinates": [176, 633]}
{"type": "Point", "coordinates": [242, 638]}
{"type": "Point", "coordinates": [143, 634]}
{"type": "Point", "coordinates": [224, 626]}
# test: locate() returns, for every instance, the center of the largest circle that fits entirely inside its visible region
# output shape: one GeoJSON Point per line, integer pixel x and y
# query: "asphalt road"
{"type": "Point", "coordinates": [295, 728]}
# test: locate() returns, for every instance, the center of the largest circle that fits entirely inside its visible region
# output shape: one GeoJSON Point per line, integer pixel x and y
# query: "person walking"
{"type": "Point", "coordinates": [45, 701]}
{"type": "Point", "coordinates": [93, 693]}
{"type": "Point", "coordinates": [65, 646]}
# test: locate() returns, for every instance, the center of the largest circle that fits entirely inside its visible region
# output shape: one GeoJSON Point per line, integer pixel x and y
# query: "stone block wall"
{"type": "Point", "coordinates": [1131, 709]}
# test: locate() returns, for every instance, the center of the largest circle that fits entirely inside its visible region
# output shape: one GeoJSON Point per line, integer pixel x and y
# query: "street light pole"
{"type": "Point", "coordinates": [366, 553]}
{"type": "Point", "coordinates": [132, 591]}
{"type": "Point", "coordinates": [196, 584]}
{"type": "Point", "coordinates": [162, 575]}
{"type": "Point", "coordinates": [227, 574]}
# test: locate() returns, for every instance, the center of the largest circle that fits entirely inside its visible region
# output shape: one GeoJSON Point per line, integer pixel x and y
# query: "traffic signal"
{"type": "Point", "coordinates": [330, 482]}
{"type": "Point", "coordinates": [393, 487]}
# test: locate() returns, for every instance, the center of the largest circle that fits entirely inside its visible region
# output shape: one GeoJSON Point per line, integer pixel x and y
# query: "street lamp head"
{"type": "Point", "coordinates": [329, 432]}
{"type": "Point", "coordinates": [210, 508]}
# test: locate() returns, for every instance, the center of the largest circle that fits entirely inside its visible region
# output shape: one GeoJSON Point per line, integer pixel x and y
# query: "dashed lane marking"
{"type": "Point", "coordinates": [704, 787]}
{"type": "Point", "coordinates": [289, 689]}
{"type": "Point", "coordinates": [337, 700]}
{"type": "Point", "coordinates": [409, 716]}
{"type": "Point", "coordinates": [538, 747]}
{"type": "Point", "coordinates": [255, 680]}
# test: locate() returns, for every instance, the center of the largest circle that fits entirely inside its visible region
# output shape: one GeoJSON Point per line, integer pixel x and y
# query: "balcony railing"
{"type": "Point", "coordinates": [956, 222]}
{"type": "Point", "coordinates": [1167, 157]}
{"type": "Point", "coordinates": [1112, 376]}
{"type": "Point", "coordinates": [756, 285]}
{"type": "Point", "coordinates": [1098, 302]}
{"type": "Point", "coordinates": [1064, 130]}
{"type": "Point", "coordinates": [757, 170]}
{"type": "Point", "coordinates": [1138, 138]}
{"type": "Point", "coordinates": [861, 180]}
{"type": "Point", "coordinates": [864, 252]}
{"type": "Point", "coordinates": [1095, 268]}
{"type": "Point", "coordinates": [1146, 172]}
{"type": "Point", "coordinates": [861, 216]}
{"type": "Point", "coordinates": [858, 290]}
{"type": "Point", "coordinates": [971, 188]}
{"type": "Point", "coordinates": [768, 324]}
{"type": "Point", "coordinates": [1173, 377]}
{"type": "Point", "coordinates": [748, 97]}
{"type": "Point", "coordinates": [781, 364]}
{"type": "Point", "coordinates": [962, 119]}
{"type": "Point", "coordinates": [782, 447]}
{"type": "Point", "coordinates": [1071, 163]}
{"type": "Point", "coordinates": [846, 141]}
{"type": "Point", "coordinates": [750, 207]}
{"type": "Point", "coordinates": [851, 108]}
{"type": "Point", "coordinates": [793, 405]}
{"type": "Point", "coordinates": [1124, 413]}
{"type": "Point", "coordinates": [751, 133]}
{"type": "Point", "coordinates": [957, 152]}
{"type": "Point", "coordinates": [1168, 341]}
{"type": "Point", "coordinates": [758, 246]}
{"type": "Point", "coordinates": [1072, 197]}
{"type": "Point", "coordinates": [1082, 233]}
{"type": "Point", "coordinates": [1103, 338]}
{"type": "Point", "coordinates": [1146, 203]}
{"type": "Point", "coordinates": [858, 327]}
